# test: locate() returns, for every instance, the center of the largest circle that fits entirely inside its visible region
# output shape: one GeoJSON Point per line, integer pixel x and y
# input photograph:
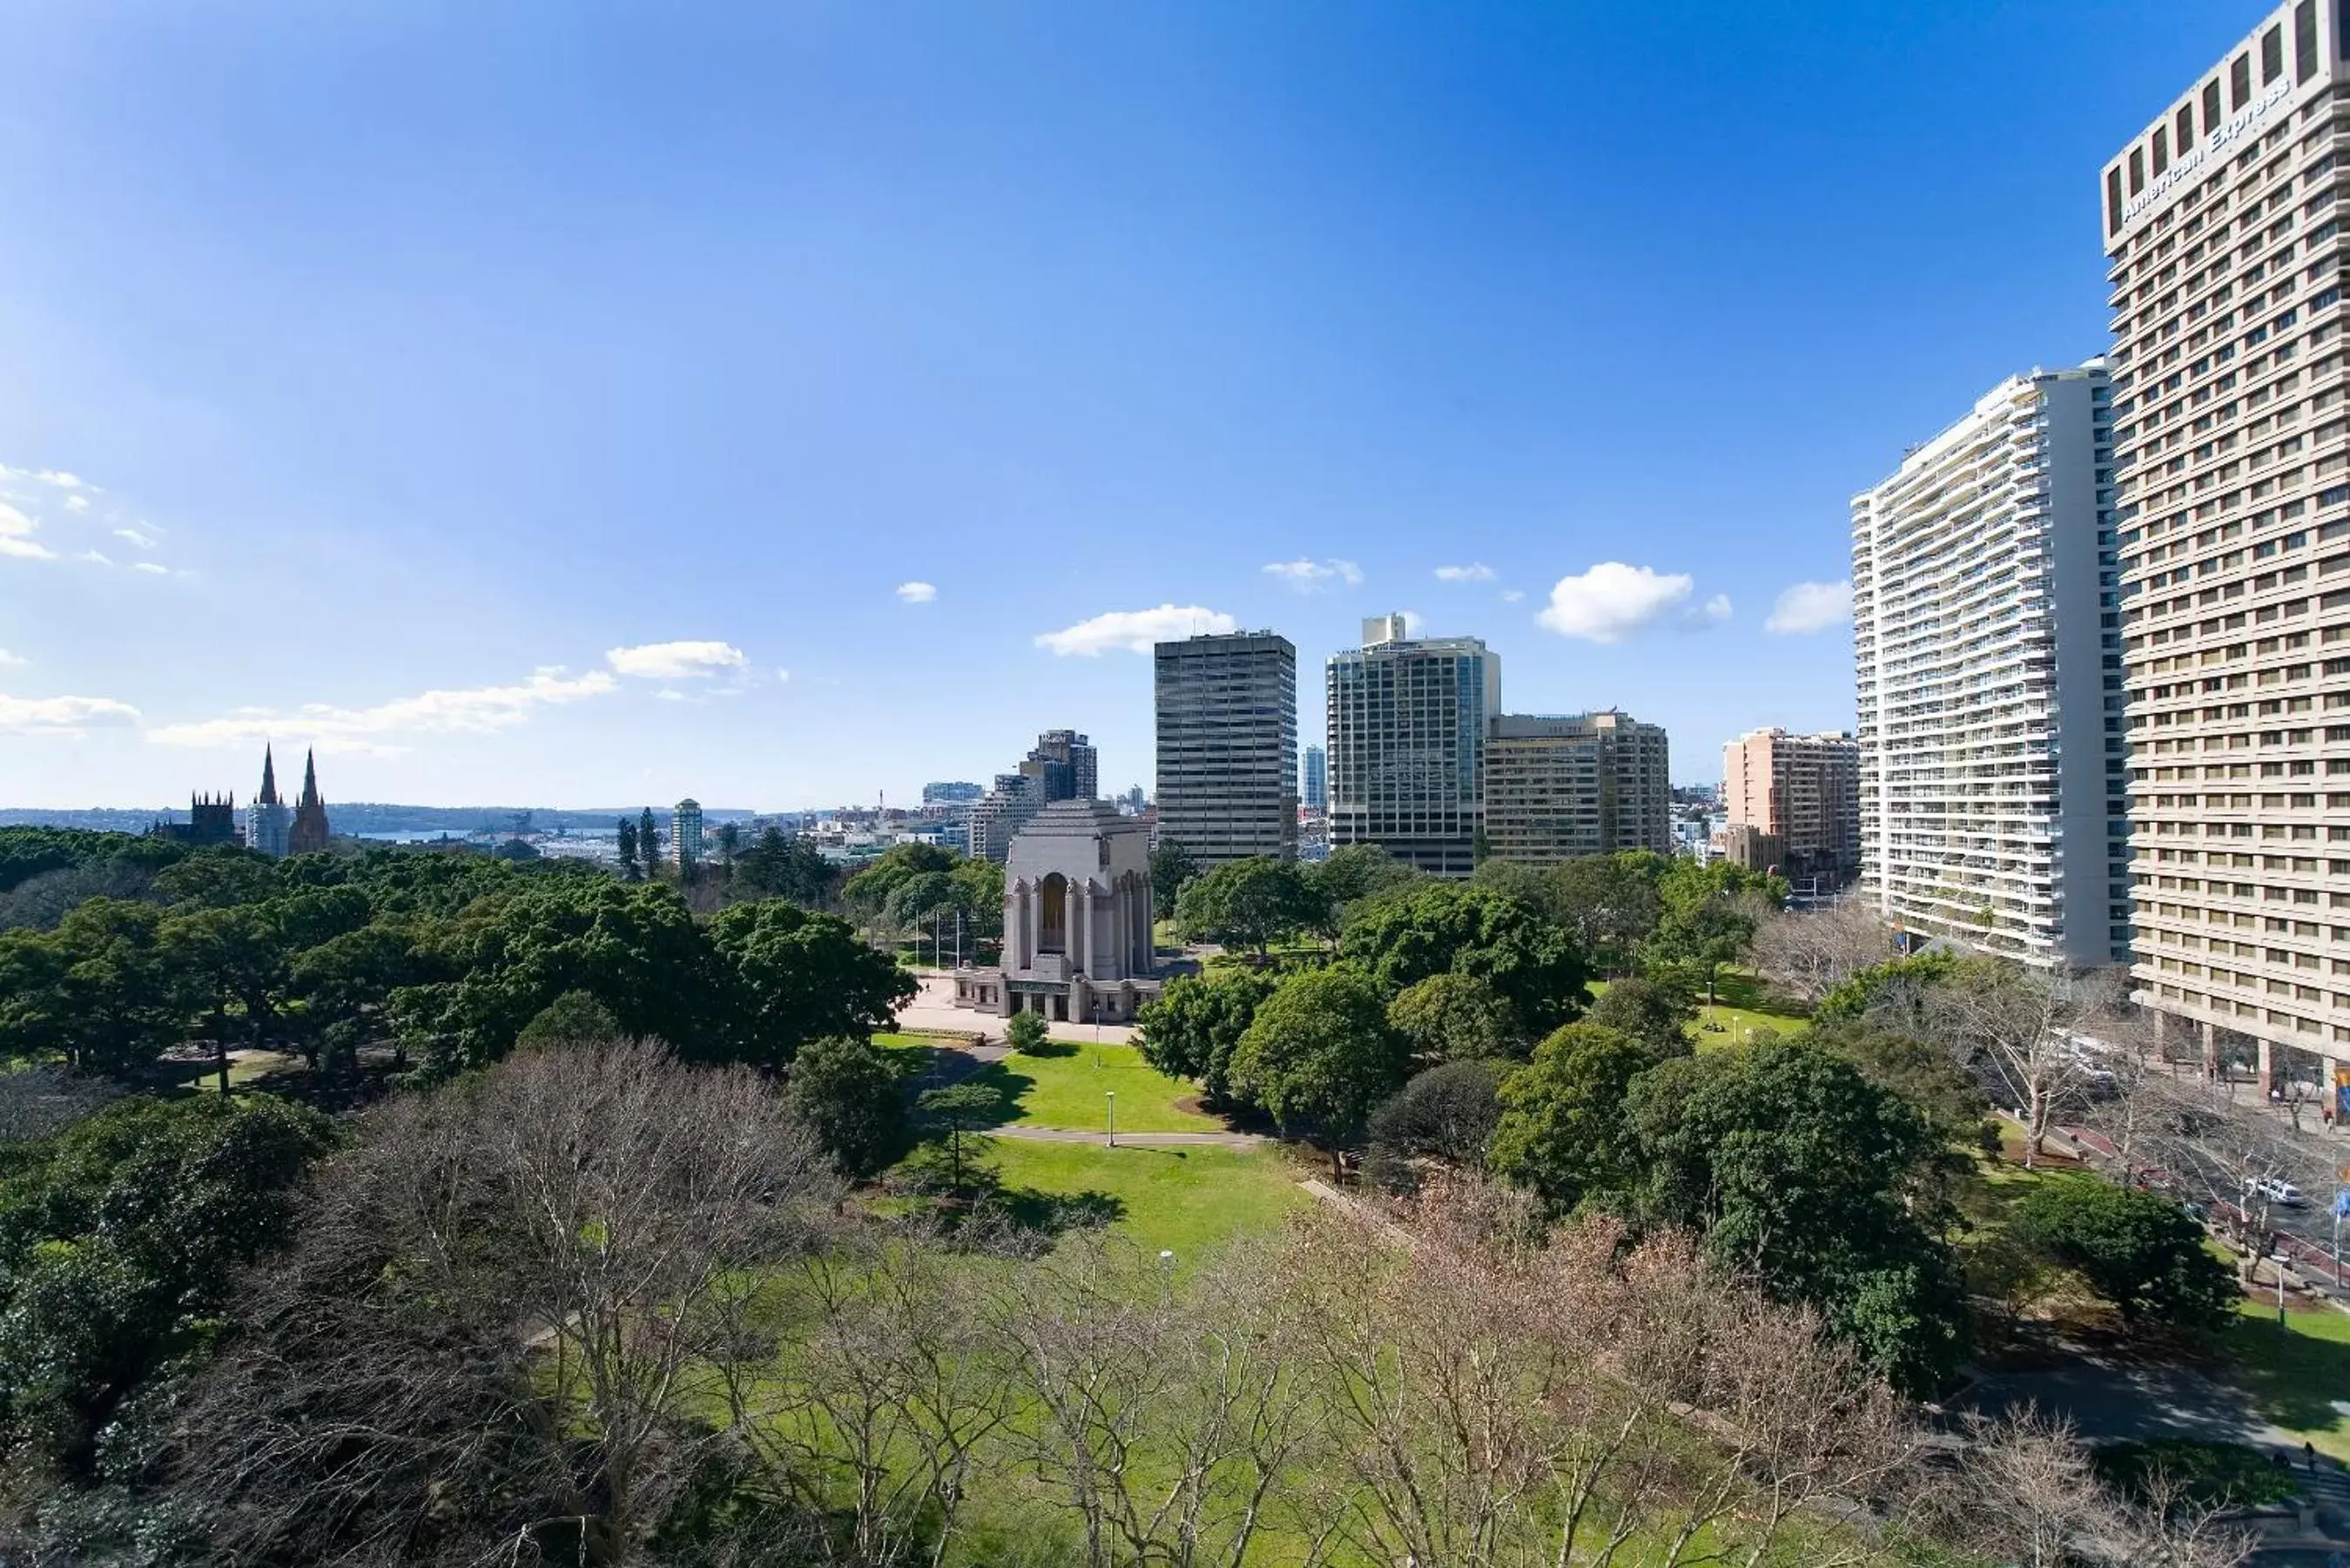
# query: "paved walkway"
{"type": "Point", "coordinates": [1136, 1139]}
{"type": "Point", "coordinates": [933, 1011]}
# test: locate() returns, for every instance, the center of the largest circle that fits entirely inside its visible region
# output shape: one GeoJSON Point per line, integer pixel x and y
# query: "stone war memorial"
{"type": "Point", "coordinates": [1076, 920]}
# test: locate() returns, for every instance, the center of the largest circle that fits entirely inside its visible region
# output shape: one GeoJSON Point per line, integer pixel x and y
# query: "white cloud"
{"type": "Point", "coordinates": [1717, 607]}
{"type": "Point", "coordinates": [8, 658]}
{"type": "Point", "coordinates": [784, 676]}
{"type": "Point", "coordinates": [15, 536]}
{"type": "Point", "coordinates": [95, 558]}
{"type": "Point", "coordinates": [60, 478]}
{"type": "Point", "coordinates": [1511, 595]}
{"type": "Point", "coordinates": [77, 503]}
{"type": "Point", "coordinates": [1611, 600]}
{"type": "Point", "coordinates": [144, 541]}
{"type": "Point", "coordinates": [1313, 577]}
{"type": "Point", "coordinates": [1475, 571]}
{"type": "Point", "coordinates": [476, 710]}
{"type": "Point", "coordinates": [147, 566]}
{"type": "Point", "coordinates": [676, 661]}
{"type": "Point", "coordinates": [917, 593]}
{"type": "Point", "coordinates": [61, 715]}
{"type": "Point", "coordinates": [1136, 630]}
{"type": "Point", "coordinates": [1810, 607]}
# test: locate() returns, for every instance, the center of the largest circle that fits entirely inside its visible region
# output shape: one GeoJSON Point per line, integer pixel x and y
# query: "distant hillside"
{"type": "Point", "coordinates": [370, 817]}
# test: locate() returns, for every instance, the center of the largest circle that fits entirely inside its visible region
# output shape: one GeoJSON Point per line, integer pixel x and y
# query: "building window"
{"type": "Point", "coordinates": [2136, 170]}
{"type": "Point", "coordinates": [2271, 55]}
{"type": "Point", "coordinates": [2304, 40]}
{"type": "Point", "coordinates": [2212, 99]}
{"type": "Point", "coordinates": [2114, 194]}
{"type": "Point", "coordinates": [2184, 128]}
{"type": "Point", "coordinates": [2161, 150]}
{"type": "Point", "coordinates": [2239, 82]}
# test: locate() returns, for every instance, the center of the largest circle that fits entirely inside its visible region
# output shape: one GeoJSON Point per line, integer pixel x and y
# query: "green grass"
{"type": "Point", "coordinates": [1185, 1199]}
{"type": "Point", "coordinates": [1744, 1008]}
{"type": "Point", "coordinates": [1067, 1084]}
{"type": "Point", "coordinates": [2214, 1475]}
{"type": "Point", "coordinates": [2298, 1375]}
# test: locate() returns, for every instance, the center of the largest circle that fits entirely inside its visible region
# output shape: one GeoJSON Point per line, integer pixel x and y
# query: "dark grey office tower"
{"type": "Point", "coordinates": [1228, 746]}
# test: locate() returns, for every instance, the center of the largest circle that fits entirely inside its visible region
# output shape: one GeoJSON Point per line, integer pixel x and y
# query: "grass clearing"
{"type": "Point", "coordinates": [1744, 1011]}
{"type": "Point", "coordinates": [2298, 1374]}
{"type": "Point", "coordinates": [1182, 1200]}
{"type": "Point", "coordinates": [1067, 1084]}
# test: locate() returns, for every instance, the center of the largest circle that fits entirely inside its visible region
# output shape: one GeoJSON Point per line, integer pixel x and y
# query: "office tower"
{"type": "Point", "coordinates": [685, 834]}
{"type": "Point", "coordinates": [267, 822]}
{"type": "Point", "coordinates": [1227, 745]}
{"type": "Point", "coordinates": [2233, 489]}
{"type": "Point", "coordinates": [1803, 791]}
{"type": "Point", "coordinates": [1062, 765]}
{"type": "Point", "coordinates": [1586, 784]}
{"type": "Point", "coordinates": [1317, 777]}
{"type": "Point", "coordinates": [951, 793]}
{"type": "Point", "coordinates": [309, 833]}
{"type": "Point", "coordinates": [1985, 626]}
{"type": "Point", "coordinates": [1407, 741]}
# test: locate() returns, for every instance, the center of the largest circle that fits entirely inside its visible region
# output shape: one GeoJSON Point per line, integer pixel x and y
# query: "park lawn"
{"type": "Point", "coordinates": [1067, 1084]}
{"type": "Point", "coordinates": [1744, 1009]}
{"type": "Point", "coordinates": [2298, 1375]}
{"type": "Point", "coordinates": [1183, 1199]}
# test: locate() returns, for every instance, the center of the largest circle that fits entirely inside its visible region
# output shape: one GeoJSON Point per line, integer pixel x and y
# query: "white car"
{"type": "Point", "coordinates": [2282, 1193]}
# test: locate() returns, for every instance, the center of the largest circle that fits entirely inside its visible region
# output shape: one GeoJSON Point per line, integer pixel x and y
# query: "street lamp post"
{"type": "Point", "coordinates": [1111, 1095]}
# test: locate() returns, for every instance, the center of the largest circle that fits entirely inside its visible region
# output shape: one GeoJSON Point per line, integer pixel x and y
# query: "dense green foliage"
{"type": "Point", "coordinates": [1562, 1132]}
{"type": "Point", "coordinates": [1442, 927]}
{"type": "Point", "coordinates": [119, 1238]}
{"type": "Point", "coordinates": [1249, 903]}
{"type": "Point", "coordinates": [1452, 1017]}
{"type": "Point", "coordinates": [1171, 865]}
{"type": "Point", "coordinates": [1445, 1115]}
{"type": "Point", "coordinates": [1192, 1028]}
{"type": "Point", "coordinates": [1319, 1052]}
{"type": "Point", "coordinates": [1025, 1031]}
{"type": "Point", "coordinates": [2135, 1248]}
{"type": "Point", "coordinates": [848, 1097]}
{"type": "Point", "coordinates": [1655, 1013]}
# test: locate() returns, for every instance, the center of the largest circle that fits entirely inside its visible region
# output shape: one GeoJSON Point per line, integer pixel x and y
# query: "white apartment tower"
{"type": "Point", "coordinates": [1407, 721]}
{"type": "Point", "coordinates": [2222, 223]}
{"type": "Point", "coordinates": [1987, 641]}
{"type": "Point", "coordinates": [1227, 711]}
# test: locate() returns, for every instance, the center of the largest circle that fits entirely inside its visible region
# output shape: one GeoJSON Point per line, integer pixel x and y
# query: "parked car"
{"type": "Point", "coordinates": [2282, 1193]}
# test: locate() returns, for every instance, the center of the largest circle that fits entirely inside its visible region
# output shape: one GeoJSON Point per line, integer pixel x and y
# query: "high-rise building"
{"type": "Point", "coordinates": [1317, 777]}
{"type": "Point", "coordinates": [1586, 784]}
{"type": "Point", "coordinates": [2232, 481]}
{"type": "Point", "coordinates": [1227, 708]}
{"type": "Point", "coordinates": [1985, 624]}
{"type": "Point", "coordinates": [309, 833]}
{"type": "Point", "coordinates": [1062, 765]}
{"type": "Point", "coordinates": [1803, 791]}
{"type": "Point", "coordinates": [951, 793]}
{"type": "Point", "coordinates": [685, 834]}
{"type": "Point", "coordinates": [267, 822]}
{"type": "Point", "coordinates": [1407, 721]}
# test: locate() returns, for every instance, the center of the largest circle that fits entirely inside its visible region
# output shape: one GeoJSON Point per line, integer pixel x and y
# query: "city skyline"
{"type": "Point", "coordinates": [693, 511]}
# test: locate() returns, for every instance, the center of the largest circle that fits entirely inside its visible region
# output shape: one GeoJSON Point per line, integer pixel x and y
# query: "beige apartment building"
{"type": "Point", "coordinates": [1803, 791]}
{"type": "Point", "coordinates": [2221, 221]}
{"type": "Point", "coordinates": [1584, 784]}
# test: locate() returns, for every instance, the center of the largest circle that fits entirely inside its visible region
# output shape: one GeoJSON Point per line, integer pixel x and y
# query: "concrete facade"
{"type": "Point", "coordinates": [1076, 920]}
{"type": "Point", "coordinates": [1803, 791]}
{"type": "Point", "coordinates": [1227, 731]}
{"type": "Point", "coordinates": [2231, 466]}
{"type": "Point", "coordinates": [1557, 788]}
{"type": "Point", "coordinates": [1407, 721]}
{"type": "Point", "coordinates": [1994, 771]}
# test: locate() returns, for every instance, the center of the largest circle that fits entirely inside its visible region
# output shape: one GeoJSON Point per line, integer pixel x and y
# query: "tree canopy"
{"type": "Point", "coordinates": [1440, 927]}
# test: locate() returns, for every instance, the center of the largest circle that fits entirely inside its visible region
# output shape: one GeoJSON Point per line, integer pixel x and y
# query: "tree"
{"type": "Point", "coordinates": [867, 894]}
{"type": "Point", "coordinates": [844, 1093]}
{"type": "Point", "coordinates": [783, 867]}
{"type": "Point", "coordinates": [648, 843]}
{"type": "Point", "coordinates": [547, 1383]}
{"type": "Point", "coordinates": [1171, 865]}
{"type": "Point", "coordinates": [1248, 903]}
{"type": "Point", "coordinates": [730, 844]}
{"type": "Point", "coordinates": [1609, 902]}
{"type": "Point", "coordinates": [1025, 1033]}
{"type": "Point", "coordinates": [118, 1237]}
{"type": "Point", "coordinates": [1801, 1174]}
{"type": "Point", "coordinates": [574, 1018]}
{"type": "Point", "coordinates": [1920, 1071]}
{"type": "Point", "coordinates": [800, 977]}
{"type": "Point", "coordinates": [1703, 935]}
{"type": "Point", "coordinates": [1442, 927]}
{"type": "Point", "coordinates": [1454, 1018]}
{"type": "Point", "coordinates": [1655, 1013]}
{"type": "Point", "coordinates": [2016, 1028]}
{"type": "Point", "coordinates": [1319, 1051]}
{"type": "Point", "coordinates": [1192, 1028]}
{"type": "Point", "coordinates": [102, 991]}
{"type": "Point", "coordinates": [964, 1109]}
{"type": "Point", "coordinates": [629, 869]}
{"type": "Point", "coordinates": [2135, 1248]}
{"type": "Point", "coordinates": [338, 988]}
{"type": "Point", "coordinates": [1563, 1134]}
{"type": "Point", "coordinates": [1809, 953]}
{"type": "Point", "coordinates": [1353, 873]}
{"type": "Point", "coordinates": [1446, 1114]}
{"type": "Point", "coordinates": [229, 957]}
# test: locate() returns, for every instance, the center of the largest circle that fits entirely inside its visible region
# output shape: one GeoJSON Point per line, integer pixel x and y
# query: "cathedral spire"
{"type": "Point", "coordinates": [310, 781]}
{"type": "Point", "coordinates": [309, 832]}
{"type": "Point", "coordinates": [268, 796]}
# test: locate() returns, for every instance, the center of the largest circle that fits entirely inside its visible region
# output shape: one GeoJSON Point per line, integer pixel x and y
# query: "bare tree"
{"type": "Point", "coordinates": [1809, 953]}
{"type": "Point", "coordinates": [2016, 1028]}
{"type": "Point", "coordinates": [496, 1339]}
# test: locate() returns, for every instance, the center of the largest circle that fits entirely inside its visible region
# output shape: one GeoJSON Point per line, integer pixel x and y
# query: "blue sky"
{"type": "Point", "coordinates": [573, 404]}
